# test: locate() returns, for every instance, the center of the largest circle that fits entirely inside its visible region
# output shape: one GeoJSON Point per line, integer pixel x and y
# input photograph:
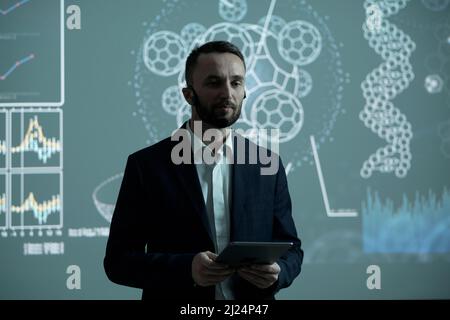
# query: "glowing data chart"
{"type": "Point", "coordinates": [330, 212]}
{"type": "Point", "coordinates": [32, 53]}
{"type": "Point", "coordinates": [36, 139]}
{"type": "Point", "coordinates": [34, 207]}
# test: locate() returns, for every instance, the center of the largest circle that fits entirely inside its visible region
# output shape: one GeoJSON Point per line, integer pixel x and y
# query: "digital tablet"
{"type": "Point", "coordinates": [244, 253]}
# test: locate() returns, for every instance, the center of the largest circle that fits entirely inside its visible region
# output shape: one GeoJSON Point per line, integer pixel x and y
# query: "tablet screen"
{"type": "Point", "coordinates": [245, 253]}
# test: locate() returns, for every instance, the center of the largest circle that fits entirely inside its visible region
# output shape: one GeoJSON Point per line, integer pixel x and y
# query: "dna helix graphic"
{"type": "Point", "coordinates": [382, 85]}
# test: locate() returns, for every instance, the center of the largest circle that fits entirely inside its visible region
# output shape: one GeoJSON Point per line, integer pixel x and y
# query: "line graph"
{"type": "Point", "coordinates": [22, 82]}
{"type": "Point", "coordinates": [13, 7]}
{"type": "Point", "coordinates": [16, 65]}
{"type": "Point", "coordinates": [33, 206]}
{"type": "Point", "coordinates": [31, 194]}
{"type": "Point", "coordinates": [42, 210]}
{"type": "Point", "coordinates": [35, 140]}
{"type": "Point", "coordinates": [330, 212]}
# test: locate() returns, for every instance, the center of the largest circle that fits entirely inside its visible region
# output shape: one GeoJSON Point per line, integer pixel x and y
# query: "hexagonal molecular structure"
{"type": "Point", "coordinates": [305, 83]}
{"type": "Point", "coordinates": [233, 33]}
{"type": "Point", "coordinates": [276, 109]}
{"type": "Point", "coordinates": [172, 100]}
{"type": "Point", "coordinates": [433, 83]}
{"type": "Point", "coordinates": [192, 31]}
{"type": "Point", "coordinates": [374, 17]}
{"type": "Point", "coordinates": [232, 10]}
{"type": "Point", "coordinates": [388, 8]}
{"type": "Point", "coordinates": [299, 42]}
{"type": "Point", "coordinates": [264, 70]}
{"type": "Point", "coordinates": [164, 53]}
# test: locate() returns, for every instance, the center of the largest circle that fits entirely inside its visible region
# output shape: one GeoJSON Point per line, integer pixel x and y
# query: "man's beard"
{"type": "Point", "coordinates": [208, 115]}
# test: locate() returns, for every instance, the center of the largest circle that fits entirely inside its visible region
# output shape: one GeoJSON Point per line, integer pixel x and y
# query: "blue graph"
{"type": "Point", "coordinates": [16, 65]}
{"type": "Point", "coordinates": [421, 226]}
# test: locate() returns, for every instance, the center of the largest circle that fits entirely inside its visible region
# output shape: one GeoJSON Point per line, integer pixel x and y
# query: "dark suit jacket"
{"type": "Point", "coordinates": [160, 223]}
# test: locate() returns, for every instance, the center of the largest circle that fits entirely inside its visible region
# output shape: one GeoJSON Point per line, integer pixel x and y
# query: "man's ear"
{"type": "Point", "coordinates": [188, 95]}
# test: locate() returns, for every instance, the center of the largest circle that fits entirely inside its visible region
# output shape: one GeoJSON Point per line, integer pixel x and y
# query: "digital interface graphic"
{"type": "Point", "coordinates": [32, 64]}
{"type": "Point", "coordinates": [359, 91]}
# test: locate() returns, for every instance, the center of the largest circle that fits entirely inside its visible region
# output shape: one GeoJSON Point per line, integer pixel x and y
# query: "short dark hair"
{"type": "Point", "coordinates": [209, 47]}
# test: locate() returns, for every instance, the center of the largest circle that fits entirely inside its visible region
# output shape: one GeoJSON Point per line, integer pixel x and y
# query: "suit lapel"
{"type": "Point", "coordinates": [187, 174]}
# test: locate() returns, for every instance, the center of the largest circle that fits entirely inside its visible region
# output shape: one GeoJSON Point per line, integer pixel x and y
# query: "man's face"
{"type": "Point", "coordinates": [218, 83]}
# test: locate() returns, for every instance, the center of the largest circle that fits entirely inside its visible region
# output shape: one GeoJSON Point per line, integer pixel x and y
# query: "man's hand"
{"type": "Point", "coordinates": [260, 275]}
{"type": "Point", "coordinates": [207, 272]}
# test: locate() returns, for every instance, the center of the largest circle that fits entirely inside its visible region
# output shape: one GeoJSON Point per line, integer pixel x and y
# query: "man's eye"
{"type": "Point", "coordinates": [236, 83]}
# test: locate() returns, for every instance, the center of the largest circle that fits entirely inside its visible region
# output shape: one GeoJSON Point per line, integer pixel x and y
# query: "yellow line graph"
{"type": "Point", "coordinates": [35, 140]}
{"type": "Point", "coordinates": [40, 210]}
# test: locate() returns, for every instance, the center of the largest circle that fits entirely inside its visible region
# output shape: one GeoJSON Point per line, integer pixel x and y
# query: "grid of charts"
{"type": "Point", "coordinates": [31, 118]}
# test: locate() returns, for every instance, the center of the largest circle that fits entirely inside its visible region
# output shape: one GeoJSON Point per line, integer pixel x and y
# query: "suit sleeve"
{"type": "Point", "coordinates": [285, 230]}
{"type": "Point", "coordinates": [127, 260]}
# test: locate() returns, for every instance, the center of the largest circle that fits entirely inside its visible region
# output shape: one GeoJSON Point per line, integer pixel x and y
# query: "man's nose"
{"type": "Point", "coordinates": [227, 90]}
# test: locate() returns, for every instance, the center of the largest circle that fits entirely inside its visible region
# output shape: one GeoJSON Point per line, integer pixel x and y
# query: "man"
{"type": "Point", "coordinates": [173, 217]}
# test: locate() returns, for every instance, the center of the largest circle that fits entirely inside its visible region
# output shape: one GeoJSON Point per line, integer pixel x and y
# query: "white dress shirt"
{"type": "Point", "coordinates": [215, 181]}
